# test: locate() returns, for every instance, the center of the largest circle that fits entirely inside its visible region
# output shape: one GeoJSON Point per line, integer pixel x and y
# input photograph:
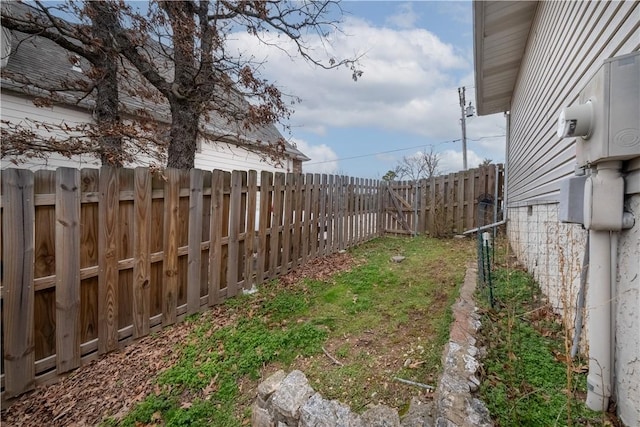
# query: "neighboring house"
{"type": "Point", "coordinates": [40, 60]}
{"type": "Point", "coordinates": [532, 59]}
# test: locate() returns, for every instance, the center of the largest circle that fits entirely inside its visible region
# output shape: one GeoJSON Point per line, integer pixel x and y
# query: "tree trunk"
{"type": "Point", "coordinates": [104, 21]}
{"type": "Point", "coordinates": [184, 134]}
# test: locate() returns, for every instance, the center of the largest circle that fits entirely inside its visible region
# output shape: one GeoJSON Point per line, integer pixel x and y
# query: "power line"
{"type": "Point", "coordinates": [401, 149]}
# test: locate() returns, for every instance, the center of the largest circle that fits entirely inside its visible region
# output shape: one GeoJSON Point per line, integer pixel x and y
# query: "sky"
{"type": "Point", "coordinates": [415, 56]}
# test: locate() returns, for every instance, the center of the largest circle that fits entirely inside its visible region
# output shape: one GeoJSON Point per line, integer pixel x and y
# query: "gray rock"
{"type": "Point", "coordinates": [471, 365]}
{"type": "Point", "coordinates": [319, 412]}
{"type": "Point", "coordinates": [420, 414]}
{"type": "Point", "coordinates": [271, 384]}
{"type": "Point", "coordinates": [398, 258]}
{"type": "Point", "coordinates": [294, 391]}
{"type": "Point", "coordinates": [381, 416]}
{"type": "Point", "coordinates": [472, 351]}
{"type": "Point", "coordinates": [260, 417]}
{"type": "Point", "coordinates": [474, 383]}
{"type": "Point", "coordinates": [478, 414]}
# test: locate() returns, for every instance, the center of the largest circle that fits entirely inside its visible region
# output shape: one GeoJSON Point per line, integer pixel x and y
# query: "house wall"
{"type": "Point", "coordinates": [17, 109]}
{"type": "Point", "coordinates": [567, 44]}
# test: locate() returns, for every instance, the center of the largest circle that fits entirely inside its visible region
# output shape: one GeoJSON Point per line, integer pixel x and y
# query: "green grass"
{"type": "Point", "coordinates": [393, 308]}
{"type": "Point", "coordinates": [525, 382]}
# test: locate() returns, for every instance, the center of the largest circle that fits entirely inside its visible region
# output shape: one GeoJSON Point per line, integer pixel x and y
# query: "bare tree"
{"type": "Point", "coordinates": [418, 166]}
{"type": "Point", "coordinates": [485, 162]}
{"type": "Point", "coordinates": [87, 40]}
{"type": "Point", "coordinates": [179, 48]}
{"type": "Point", "coordinates": [210, 84]}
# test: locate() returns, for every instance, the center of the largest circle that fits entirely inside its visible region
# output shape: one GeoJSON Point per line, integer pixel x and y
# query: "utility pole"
{"type": "Point", "coordinates": [463, 123]}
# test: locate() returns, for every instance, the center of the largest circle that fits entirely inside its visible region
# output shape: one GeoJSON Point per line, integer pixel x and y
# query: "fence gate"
{"type": "Point", "coordinates": [401, 207]}
{"type": "Point", "coordinates": [441, 205]}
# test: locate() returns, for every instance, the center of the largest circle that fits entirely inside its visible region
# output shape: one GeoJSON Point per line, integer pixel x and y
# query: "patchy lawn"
{"type": "Point", "coordinates": [529, 377]}
{"type": "Point", "coordinates": [377, 319]}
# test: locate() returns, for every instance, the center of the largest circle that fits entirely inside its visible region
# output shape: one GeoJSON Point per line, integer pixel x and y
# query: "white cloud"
{"type": "Point", "coordinates": [405, 17]}
{"type": "Point", "coordinates": [406, 86]}
{"type": "Point", "coordinates": [323, 158]}
{"type": "Point", "coordinates": [451, 160]}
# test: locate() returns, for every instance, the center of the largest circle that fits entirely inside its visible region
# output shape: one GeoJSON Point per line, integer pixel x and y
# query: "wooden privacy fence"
{"type": "Point", "coordinates": [92, 259]}
{"type": "Point", "coordinates": [442, 205]}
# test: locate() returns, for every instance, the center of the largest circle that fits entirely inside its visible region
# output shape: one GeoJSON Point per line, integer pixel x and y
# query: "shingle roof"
{"type": "Point", "coordinates": [45, 64]}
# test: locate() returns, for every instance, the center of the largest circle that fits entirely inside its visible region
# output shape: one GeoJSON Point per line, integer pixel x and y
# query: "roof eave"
{"type": "Point", "coordinates": [496, 99]}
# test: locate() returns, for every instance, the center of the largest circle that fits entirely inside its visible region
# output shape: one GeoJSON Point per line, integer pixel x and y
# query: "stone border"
{"type": "Point", "coordinates": [287, 400]}
{"type": "Point", "coordinates": [455, 403]}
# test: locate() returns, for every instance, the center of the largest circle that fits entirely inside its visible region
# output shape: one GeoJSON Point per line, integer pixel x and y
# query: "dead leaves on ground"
{"type": "Point", "coordinates": [113, 384]}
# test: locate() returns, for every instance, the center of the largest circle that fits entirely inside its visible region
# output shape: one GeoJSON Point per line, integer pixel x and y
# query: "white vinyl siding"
{"type": "Point", "coordinates": [230, 157]}
{"type": "Point", "coordinates": [19, 109]}
{"type": "Point", "coordinates": [567, 44]}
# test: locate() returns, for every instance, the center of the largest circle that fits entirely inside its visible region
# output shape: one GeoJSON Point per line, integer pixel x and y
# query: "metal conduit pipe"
{"type": "Point", "coordinates": [599, 312]}
{"type": "Point", "coordinates": [604, 215]}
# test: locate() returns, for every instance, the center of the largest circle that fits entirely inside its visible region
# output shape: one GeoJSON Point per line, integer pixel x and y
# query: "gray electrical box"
{"type": "Point", "coordinates": [614, 93]}
{"type": "Point", "coordinates": [571, 207]}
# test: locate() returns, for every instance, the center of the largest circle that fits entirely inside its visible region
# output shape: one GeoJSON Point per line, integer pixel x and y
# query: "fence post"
{"type": "Point", "coordinates": [67, 251]}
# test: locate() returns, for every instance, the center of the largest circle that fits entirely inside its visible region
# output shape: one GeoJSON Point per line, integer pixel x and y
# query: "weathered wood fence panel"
{"type": "Point", "coordinates": [442, 205]}
{"type": "Point", "coordinates": [93, 259]}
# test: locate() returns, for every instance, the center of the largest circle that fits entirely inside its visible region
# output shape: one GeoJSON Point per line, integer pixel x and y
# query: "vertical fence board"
{"type": "Point", "coordinates": [330, 215]}
{"type": "Point", "coordinates": [89, 256]}
{"type": "Point", "coordinates": [353, 232]}
{"type": "Point", "coordinates": [276, 221]}
{"type": "Point", "coordinates": [226, 207]}
{"type": "Point", "coordinates": [266, 180]}
{"type": "Point", "coordinates": [108, 260]}
{"type": "Point", "coordinates": [142, 252]}
{"type": "Point", "coordinates": [126, 218]}
{"type": "Point", "coordinates": [288, 213]}
{"type": "Point", "coordinates": [194, 254]}
{"type": "Point", "coordinates": [339, 214]}
{"type": "Point", "coordinates": [297, 227]}
{"type": "Point", "coordinates": [67, 269]}
{"type": "Point", "coordinates": [249, 242]}
{"type": "Point", "coordinates": [18, 299]}
{"type": "Point", "coordinates": [322, 249]}
{"type": "Point", "coordinates": [234, 231]}
{"type": "Point", "coordinates": [170, 265]}
{"type": "Point", "coordinates": [242, 237]}
{"type": "Point", "coordinates": [44, 253]}
{"type": "Point", "coordinates": [313, 217]}
{"type": "Point", "coordinates": [215, 240]}
{"type": "Point", "coordinates": [308, 183]}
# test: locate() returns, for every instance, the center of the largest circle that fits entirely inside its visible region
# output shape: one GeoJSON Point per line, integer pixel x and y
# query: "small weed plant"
{"type": "Point", "coordinates": [529, 379]}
